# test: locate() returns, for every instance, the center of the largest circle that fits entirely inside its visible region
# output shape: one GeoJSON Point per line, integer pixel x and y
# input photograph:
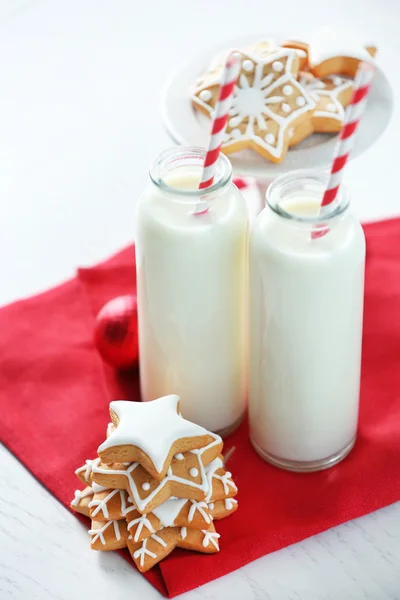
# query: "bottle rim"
{"type": "Point", "coordinates": [180, 156]}
{"type": "Point", "coordinates": [316, 181]}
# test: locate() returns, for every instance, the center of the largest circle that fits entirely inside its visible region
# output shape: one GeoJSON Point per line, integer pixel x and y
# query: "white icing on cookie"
{"type": "Point", "coordinates": [226, 478]}
{"type": "Point", "coordinates": [205, 95]}
{"type": "Point", "coordinates": [168, 511]}
{"type": "Point", "coordinates": [230, 503]}
{"type": "Point", "coordinates": [80, 494]}
{"type": "Point", "coordinates": [183, 532]}
{"type": "Point", "coordinates": [206, 474]}
{"type": "Point", "coordinates": [142, 552]}
{"type": "Point", "coordinates": [193, 472]}
{"type": "Point", "coordinates": [248, 65]}
{"type": "Point", "coordinates": [257, 100]}
{"type": "Point", "coordinates": [86, 469]}
{"type": "Point", "coordinates": [329, 43]}
{"type": "Point", "coordinates": [152, 426]}
{"type": "Point", "coordinates": [99, 533]}
{"type": "Point", "coordinates": [145, 486]}
{"type": "Point", "coordinates": [102, 505]}
{"type": "Point", "coordinates": [319, 89]}
{"type": "Point", "coordinates": [210, 537]}
{"type": "Point", "coordinates": [142, 522]}
{"type": "Point", "coordinates": [277, 65]}
{"type": "Point", "coordinates": [201, 507]}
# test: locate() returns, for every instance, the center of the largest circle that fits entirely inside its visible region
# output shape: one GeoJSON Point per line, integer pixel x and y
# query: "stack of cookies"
{"type": "Point", "coordinates": [284, 93]}
{"type": "Point", "coordinates": [157, 484]}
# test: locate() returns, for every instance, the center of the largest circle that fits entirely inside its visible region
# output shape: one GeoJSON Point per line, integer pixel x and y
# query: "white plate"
{"type": "Point", "coordinates": [188, 126]}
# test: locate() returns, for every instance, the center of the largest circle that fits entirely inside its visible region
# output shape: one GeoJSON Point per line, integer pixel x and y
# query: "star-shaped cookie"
{"type": "Point", "coordinates": [151, 550]}
{"type": "Point", "coordinates": [193, 475]}
{"type": "Point", "coordinates": [267, 102]}
{"type": "Point", "coordinates": [150, 433]}
{"type": "Point", "coordinates": [331, 94]}
{"type": "Point", "coordinates": [108, 535]}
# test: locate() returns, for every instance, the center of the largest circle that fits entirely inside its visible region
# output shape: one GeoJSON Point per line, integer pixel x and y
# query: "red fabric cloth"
{"type": "Point", "coordinates": [54, 394]}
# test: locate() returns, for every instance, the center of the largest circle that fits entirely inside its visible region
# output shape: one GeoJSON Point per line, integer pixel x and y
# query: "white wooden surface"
{"type": "Point", "coordinates": [78, 127]}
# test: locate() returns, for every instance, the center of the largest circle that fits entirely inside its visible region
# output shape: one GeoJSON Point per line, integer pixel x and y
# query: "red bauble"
{"type": "Point", "coordinates": [116, 332]}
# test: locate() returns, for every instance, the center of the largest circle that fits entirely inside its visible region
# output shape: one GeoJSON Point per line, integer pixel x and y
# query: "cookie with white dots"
{"type": "Point", "coordinates": [188, 476]}
{"type": "Point", "coordinates": [174, 512]}
{"type": "Point", "coordinates": [267, 101]}
{"type": "Point", "coordinates": [150, 433]}
{"type": "Point", "coordinates": [331, 95]}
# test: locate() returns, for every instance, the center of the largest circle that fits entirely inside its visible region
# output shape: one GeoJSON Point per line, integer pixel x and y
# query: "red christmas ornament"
{"type": "Point", "coordinates": [116, 332]}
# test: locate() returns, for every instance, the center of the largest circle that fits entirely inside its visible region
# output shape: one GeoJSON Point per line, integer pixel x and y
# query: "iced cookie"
{"type": "Point", "coordinates": [150, 551]}
{"type": "Point", "coordinates": [84, 473]}
{"type": "Point", "coordinates": [205, 540]}
{"type": "Point", "coordinates": [81, 501]}
{"type": "Point", "coordinates": [189, 476]}
{"type": "Point", "coordinates": [154, 548]}
{"type": "Point", "coordinates": [332, 54]}
{"type": "Point", "coordinates": [151, 433]}
{"type": "Point", "coordinates": [175, 512]}
{"type": "Point", "coordinates": [108, 535]}
{"type": "Point", "coordinates": [109, 504]}
{"type": "Point", "coordinates": [300, 133]}
{"type": "Point", "coordinates": [302, 51]}
{"type": "Point", "coordinates": [331, 94]}
{"type": "Point", "coordinates": [222, 508]}
{"type": "Point", "coordinates": [268, 100]}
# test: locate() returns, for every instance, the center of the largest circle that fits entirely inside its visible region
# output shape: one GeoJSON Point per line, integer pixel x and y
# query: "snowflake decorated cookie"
{"type": "Point", "coordinates": [175, 512]}
{"type": "Point", "coordinates": [268, 101]}
{"type": "Point", "coordinates": [107, 504]}
{"type": "Point", "coordinates": [130, 507]}
{"type": "Point", "coordinates": [108, 535]}
{"type": "Point", "coordinates": [81, 501]}
{"type": "Point", "coordinates": [331, 94]}
{"type": "Point", "coordinates": [337, 53]}
{"type": "Point", "coordinates": [150, 433]}
{"type": "Point", "coordinates": [157, 546]}
{"type": "Point", "coordinates": [220, 509]}
{"type": "Point", "coordinates": [191, 475]}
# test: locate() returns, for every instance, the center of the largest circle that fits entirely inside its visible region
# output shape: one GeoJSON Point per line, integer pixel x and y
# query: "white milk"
{"type": "Point", "coordinates": [191, 280]}
{"type": "Point", "coordinates": [306, 300]}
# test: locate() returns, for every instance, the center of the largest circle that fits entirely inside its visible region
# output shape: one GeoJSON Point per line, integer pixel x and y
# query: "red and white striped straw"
{"type": "Point", "coordinates": [354, 111]}
{"type": "Point", "coordinates": [224, 103]}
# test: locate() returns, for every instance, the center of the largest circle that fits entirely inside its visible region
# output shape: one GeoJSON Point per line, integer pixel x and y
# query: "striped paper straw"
{"type": "Point", "coordinates": [353, 114]}
{"type": "Point", "coordinates": [224, 103]}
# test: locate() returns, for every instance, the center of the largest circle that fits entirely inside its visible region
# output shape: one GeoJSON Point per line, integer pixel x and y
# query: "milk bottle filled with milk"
{"type": "Point", "coordinates": [306, 309]}
{"type": "Point", "coordinates": [191, 254]}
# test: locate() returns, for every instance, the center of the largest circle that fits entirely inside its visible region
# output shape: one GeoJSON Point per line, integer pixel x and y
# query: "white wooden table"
{"type": "Point", "coordinates": [76, 138]}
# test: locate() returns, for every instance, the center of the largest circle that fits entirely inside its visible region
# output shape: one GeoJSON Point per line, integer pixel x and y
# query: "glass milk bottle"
{"type": "Point", "coordinates": [306, 310]}
{"type": "Point", "coordinates": [191, 253]}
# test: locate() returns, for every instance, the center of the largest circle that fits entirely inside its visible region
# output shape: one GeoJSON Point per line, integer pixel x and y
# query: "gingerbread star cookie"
{"type": "Point", "coordinates": [222, 508]}
{"type": "Point", "coordinates": [154, 548]}
{"type": "Point", "coordinates": [108, 535]}
{"type": "Point", "coordinates": [173, 512]}
{"type": "Point", "coordinates": [267, 102]}
{"type": "Point", "coordinates": [332, 94]}
{"type": "Point", "coordinates": [337, 53]}
{"type": "Point", "coordinates": [81, 501]}
{"type": "Point", "coordinates": [109, 504]}
{"type": "Point", "coordinates": [191, 475]}
{"type": "Point", "coordinates": [150, 433]}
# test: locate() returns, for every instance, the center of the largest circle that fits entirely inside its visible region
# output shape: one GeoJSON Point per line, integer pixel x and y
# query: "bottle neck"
{"type": "Point", "coordinates": [176, 174]}
{"type": "Point", "coordinates": [296, 199]}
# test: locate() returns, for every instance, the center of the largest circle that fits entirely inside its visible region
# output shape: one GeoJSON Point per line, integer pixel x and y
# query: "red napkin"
{"type": "Point", "coordinates": [54, 394]}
